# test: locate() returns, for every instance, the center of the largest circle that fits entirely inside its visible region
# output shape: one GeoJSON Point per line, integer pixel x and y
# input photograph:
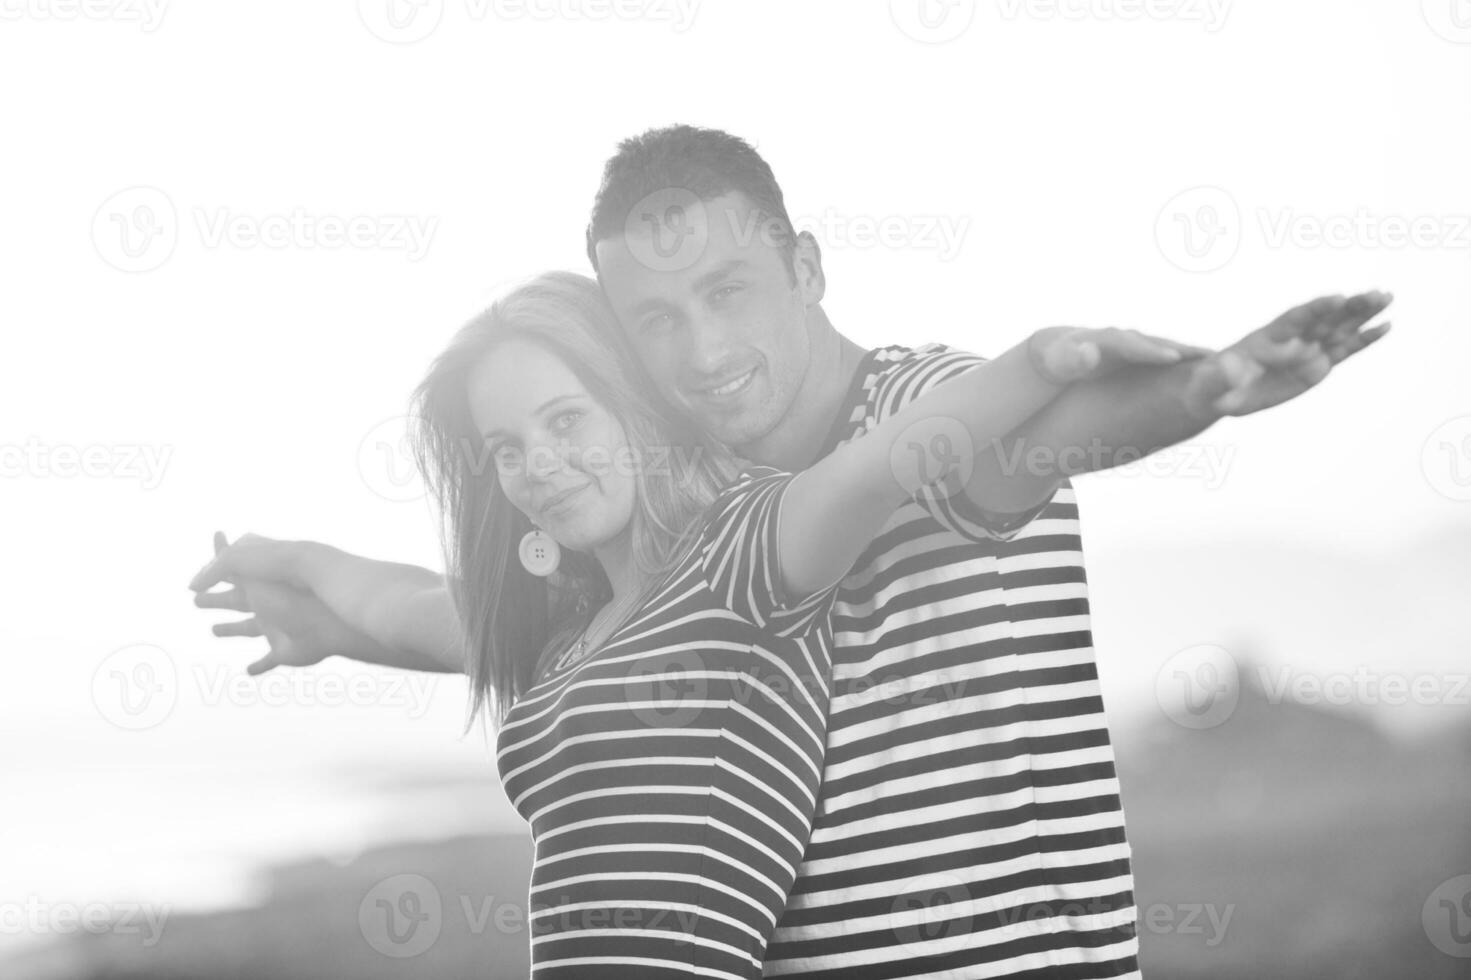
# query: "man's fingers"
{"type": "Point", "coordinates": [1288, 355]}
{"type": "Point", "coordinates": [243, 627]}
{"type": "Point", "coordinates": [1313, 370]}
{"type": "Point", "coordinates": [1357, 342]}
{"type": "Point", "coordinates": [1307, 321]}
{"type": "Point", "coordinates": [1358, 311]}
{"type": "Point", "coordinates": [229, 599]}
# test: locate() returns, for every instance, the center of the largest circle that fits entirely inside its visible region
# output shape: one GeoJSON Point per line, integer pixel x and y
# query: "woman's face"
{"type": "Point", "coordinates": [560, 455]}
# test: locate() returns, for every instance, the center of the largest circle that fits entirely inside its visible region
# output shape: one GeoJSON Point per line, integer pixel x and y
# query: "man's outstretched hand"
{"type": "Point", "coordinates": [1285, 358]}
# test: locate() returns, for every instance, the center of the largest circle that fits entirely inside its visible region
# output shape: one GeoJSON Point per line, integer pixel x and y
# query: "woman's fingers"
{"type": "Point", "coordinates": [1186, 351]}
{"type": "Point", "coordinates": [243, 627]}
{"type": "Point", "coordinates": [229, 599]}
{"type": "Point", "coordinates": [262, 665]}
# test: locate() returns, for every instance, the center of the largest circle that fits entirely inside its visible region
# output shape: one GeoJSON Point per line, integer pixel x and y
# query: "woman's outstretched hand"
{"type": "Point", "coordinates": [299, 629]}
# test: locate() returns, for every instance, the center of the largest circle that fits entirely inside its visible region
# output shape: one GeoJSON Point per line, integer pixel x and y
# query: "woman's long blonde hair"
{"type": "Point", "coordinates": [509, 616]}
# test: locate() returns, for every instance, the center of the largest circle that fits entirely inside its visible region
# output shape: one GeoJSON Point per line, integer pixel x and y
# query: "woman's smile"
{"type": "Point", "coordinates": [563, 501]}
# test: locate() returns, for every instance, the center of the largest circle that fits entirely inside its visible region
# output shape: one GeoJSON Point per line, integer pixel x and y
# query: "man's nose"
{"type": "Point", "coordinates": [709, 346]}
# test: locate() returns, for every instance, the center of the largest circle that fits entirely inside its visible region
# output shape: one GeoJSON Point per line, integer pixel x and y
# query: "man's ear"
{"type": "Point", "coordinates": [807, 269]}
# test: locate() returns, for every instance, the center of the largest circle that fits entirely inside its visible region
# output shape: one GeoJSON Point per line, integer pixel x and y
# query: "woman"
{"type": "Point", "coordinates": [646, 621]}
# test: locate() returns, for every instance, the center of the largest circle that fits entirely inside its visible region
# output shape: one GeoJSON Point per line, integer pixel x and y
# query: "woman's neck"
{"type": "Point", "coordinates": [616, 557]}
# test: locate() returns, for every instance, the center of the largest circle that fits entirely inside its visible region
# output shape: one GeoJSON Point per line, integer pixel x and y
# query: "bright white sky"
{"type": "Point", "coordinates": [1038, 168]}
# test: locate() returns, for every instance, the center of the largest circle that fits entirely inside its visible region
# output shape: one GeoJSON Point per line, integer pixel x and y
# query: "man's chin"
{"type": "Point", "coordinates": [735, 430]}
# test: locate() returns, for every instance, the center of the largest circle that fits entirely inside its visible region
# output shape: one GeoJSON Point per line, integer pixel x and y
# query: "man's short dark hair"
{"type": "Point", "coordinates": [705, 162]}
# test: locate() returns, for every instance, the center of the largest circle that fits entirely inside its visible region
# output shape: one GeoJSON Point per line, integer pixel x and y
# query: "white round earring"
{"type": "Point", "coordinates": [540, 553]}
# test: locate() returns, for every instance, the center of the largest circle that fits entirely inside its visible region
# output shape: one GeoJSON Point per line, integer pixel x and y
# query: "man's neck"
{"type": "Point", "coordinates": [796, 441]}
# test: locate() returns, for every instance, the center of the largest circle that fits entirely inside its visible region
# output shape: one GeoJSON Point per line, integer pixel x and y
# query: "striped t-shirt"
{"type": "Point", "coordinates": [670, 779]}
{"type": "Point", "coordinates": [970, 822]}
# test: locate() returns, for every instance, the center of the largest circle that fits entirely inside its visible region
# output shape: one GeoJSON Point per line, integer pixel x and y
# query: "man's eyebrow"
{"type": "Point", "coordinates": [492, 433]}
{"type": "Point", "coordinates": [718, 273]}
{"type": "Point", "coordinates": [700, 285]}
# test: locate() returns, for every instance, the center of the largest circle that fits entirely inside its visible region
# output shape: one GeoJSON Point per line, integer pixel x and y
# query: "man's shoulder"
{"type": "Point", "coordinates": [903, 373]}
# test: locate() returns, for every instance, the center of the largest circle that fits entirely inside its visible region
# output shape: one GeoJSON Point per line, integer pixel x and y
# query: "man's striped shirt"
{"type": "Point", "coordinates": [969, 823]}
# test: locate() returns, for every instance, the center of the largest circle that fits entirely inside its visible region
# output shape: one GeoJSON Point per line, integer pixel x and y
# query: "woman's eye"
{"type": "Point", "coordinates": [567, 420]}
{"type": "Point", "coordinates": [505, 455]}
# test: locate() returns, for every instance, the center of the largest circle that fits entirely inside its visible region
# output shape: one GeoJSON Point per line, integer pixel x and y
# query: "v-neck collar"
{"type": "Point", "coordinates": [843, 418]}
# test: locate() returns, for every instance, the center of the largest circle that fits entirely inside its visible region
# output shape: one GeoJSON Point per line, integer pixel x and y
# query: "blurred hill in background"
{"type": "Point", "coordinates": [1289, 841]}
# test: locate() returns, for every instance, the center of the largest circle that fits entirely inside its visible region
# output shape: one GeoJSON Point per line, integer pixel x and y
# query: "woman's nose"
{"type": "Point", "coordinates": [545, 459]}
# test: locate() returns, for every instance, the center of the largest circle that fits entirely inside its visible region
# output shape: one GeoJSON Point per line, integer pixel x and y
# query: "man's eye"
{"type": "Point", "coordinates": [505, 454]}
{"type": "Point", "coordinates": [725, 292]}
{"type": "Point", "coordinates": [658, 321]}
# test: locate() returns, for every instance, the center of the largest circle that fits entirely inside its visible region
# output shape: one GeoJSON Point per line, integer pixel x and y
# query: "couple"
{"type": "Point", "coordinates": [886, 754]}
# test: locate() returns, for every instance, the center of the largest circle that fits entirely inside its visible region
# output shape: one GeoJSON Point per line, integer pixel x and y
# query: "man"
{"type": "Point", "coordinates": [970, 823]}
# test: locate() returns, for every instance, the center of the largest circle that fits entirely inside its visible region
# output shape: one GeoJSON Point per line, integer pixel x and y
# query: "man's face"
{"type": "Point", "coordinates": [705, 294]}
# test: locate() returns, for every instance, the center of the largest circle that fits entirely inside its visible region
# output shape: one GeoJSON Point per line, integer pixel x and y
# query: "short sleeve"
{"type": "Point", "coordinates": [947, 502]}
{"type": "Point", "coordinates": [741, 561]}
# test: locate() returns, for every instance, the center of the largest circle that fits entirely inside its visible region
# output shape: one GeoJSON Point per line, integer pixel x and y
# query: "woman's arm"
{"type": "Point", "coordinates": [832, 510]}
{"type": "Point", "coordinates": [403, 610]}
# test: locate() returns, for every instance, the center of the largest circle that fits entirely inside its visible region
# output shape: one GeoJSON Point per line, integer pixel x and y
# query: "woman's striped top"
{"type": "Point", "coordinates": [970, 823]}
{"type": "Point", "coordinates": [670, 779]}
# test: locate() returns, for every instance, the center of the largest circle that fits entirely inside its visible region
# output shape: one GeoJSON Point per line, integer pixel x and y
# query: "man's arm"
{"type": "Point", "coordinates": [1141, 409]}
{"type": "Point", "coordinates": [832, 510]}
